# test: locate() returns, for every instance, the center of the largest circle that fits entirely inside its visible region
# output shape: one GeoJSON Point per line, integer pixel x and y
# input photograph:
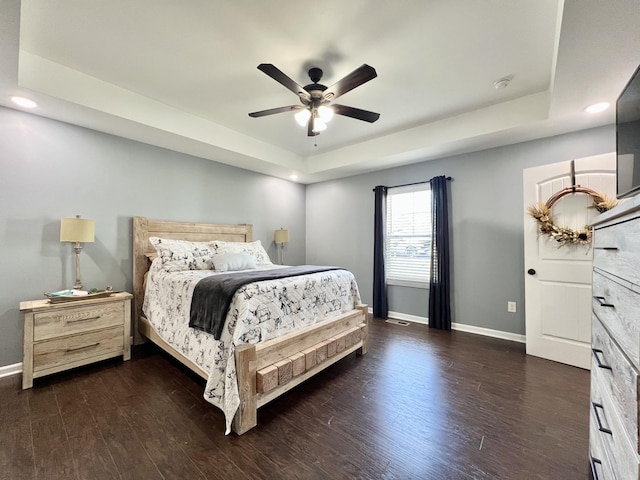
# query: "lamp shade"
{"type": "Point", "coordinates": [77, 230]}
{"type": "Point", "coordinates": [281, 236]}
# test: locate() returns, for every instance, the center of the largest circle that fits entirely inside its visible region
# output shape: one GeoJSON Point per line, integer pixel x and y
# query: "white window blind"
{"type": "Point", "coordinates": [408, 235]}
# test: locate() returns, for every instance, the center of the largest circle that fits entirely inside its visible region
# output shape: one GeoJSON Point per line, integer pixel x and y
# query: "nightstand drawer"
{"type": "Point", "coordinates": [78, 349]}
{"type": "Point", "coordinates": [73, 320]}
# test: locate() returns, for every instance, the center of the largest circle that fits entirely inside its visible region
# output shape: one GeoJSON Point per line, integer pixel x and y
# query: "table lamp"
{"type": "Point", "coordinates": [77, 230]}
{"type": "Point", "coordinates": [281, 237]}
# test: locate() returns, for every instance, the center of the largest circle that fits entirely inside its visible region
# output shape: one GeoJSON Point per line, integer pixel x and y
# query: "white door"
{"type": "Point", "coordinates": [558, 279]}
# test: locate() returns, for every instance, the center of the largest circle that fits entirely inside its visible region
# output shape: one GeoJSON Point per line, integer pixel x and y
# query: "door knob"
{"type": "Point", "coordinates": [531, 271]}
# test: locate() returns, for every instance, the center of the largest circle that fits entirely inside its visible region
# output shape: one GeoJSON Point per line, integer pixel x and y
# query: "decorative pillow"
{"type": "Point", "coordinates": [252, 248]}
{"type": "Point", "coordinates": [225, 262]}
{"type": "Point", "coordinates": [179, 255]}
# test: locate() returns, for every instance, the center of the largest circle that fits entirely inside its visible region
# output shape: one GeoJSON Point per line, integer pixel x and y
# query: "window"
{"type": "Point", "coordinates": [408, 235]}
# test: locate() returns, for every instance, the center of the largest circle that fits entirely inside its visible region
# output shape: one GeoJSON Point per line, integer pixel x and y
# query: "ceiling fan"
{"type": "Point", "coordinates": [316, 98]}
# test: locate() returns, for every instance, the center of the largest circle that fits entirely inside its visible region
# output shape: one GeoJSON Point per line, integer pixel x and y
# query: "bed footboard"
{"type": "Point", "coordinates": [267, 370]}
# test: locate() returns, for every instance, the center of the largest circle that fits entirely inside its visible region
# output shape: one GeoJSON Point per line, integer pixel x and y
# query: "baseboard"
{"type": "Point", "coordinates": [8, 370]}
{"type": "Point", "coordinates": [487, 332]}
{"type": "Point", "coordinates": [409, 318]}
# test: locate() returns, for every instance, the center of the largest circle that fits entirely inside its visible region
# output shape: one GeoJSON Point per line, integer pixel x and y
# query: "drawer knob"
{"type": "Point", "coordinates": [597, 351]}
{"type": "Point", "coordinates": [597, 406]}
{"type": "Point", "coordinates": [603, 302]}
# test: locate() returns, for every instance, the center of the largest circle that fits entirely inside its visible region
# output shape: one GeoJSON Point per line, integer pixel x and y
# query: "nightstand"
{"type": "Point", "coordinates": [61, 336]}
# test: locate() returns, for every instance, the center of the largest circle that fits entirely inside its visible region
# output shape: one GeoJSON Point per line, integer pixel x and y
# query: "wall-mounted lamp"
{"type": "Point", "coordinates": [78, 230]}
{"type": "Point", "coordinates": [281, 237]}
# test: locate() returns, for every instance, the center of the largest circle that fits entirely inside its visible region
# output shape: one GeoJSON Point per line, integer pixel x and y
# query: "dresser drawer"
{"type": "Point", "coordinates": [617, 308]}
{"type": "Point", "coordinates": [609, 431]}
{"type": "Point", "coordinates": [600, 463]}
{"type": "Point", "coordinates": [72, 320]}
{"type": "Point", "coordinates": [616, 249]}
{"type": "Point", "coordinates": [78, 349]}
{"type": "Point", "coordinates": [618, 376]}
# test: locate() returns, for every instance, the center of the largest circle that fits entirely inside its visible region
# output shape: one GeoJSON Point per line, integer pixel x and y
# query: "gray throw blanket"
{"type": "Point", "coordinates": [212, 295]}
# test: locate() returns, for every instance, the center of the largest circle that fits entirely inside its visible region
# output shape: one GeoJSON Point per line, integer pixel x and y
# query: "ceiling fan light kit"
{"type": "Point", "coordinates": [316, 111]}
{"type": "Point", "coordinates": [325, 113]}
{"type": "Point", "coordinates": [302, 117]}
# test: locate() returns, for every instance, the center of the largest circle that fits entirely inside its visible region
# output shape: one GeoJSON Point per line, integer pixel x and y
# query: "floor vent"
{"type": "Point", "coordinates": [397, 322]}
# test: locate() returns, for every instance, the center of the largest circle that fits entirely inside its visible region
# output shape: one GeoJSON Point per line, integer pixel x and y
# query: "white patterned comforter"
{"type": "Point", "coordinates": [259, 311]}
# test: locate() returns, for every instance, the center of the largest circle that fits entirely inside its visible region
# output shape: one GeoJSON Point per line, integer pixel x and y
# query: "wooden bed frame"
{"type": "Point", "coordinates": [265, 370]}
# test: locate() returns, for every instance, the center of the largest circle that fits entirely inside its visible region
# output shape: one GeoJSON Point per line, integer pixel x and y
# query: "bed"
{"type": "Point", "coordinates": [258, 368]}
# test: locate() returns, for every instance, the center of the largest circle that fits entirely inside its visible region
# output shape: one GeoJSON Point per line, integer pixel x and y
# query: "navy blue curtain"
{"type": "Point", "coordinates": [380, 303]}
{"type": "Point", "coordinates": [439, 286]}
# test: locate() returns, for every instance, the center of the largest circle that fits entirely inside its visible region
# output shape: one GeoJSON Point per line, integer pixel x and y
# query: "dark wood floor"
{"type": "Point", "coordinates": [421, 404]}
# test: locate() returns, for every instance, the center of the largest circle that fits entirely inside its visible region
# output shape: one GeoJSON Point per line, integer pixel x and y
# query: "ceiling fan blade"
{"type": "Point", "coordinates": [272, 111]}
{"type": "Point", "coordinates": [356, 78]}
{"type": "Point", "coordinates": [356, 113]}
{"type": "Point", "coordinates": [283, 79]}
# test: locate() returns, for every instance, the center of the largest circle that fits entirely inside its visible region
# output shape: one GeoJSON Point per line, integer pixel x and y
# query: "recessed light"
{"type": "Point", "coordinates": [293, 176]}
{"type": "Point", "coordinates": [597, 107]}
{"type": "Point", "coordinates": [24, 102]}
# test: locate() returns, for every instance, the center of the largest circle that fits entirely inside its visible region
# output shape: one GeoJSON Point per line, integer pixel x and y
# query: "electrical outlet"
{"type": "Point", "coordinates": [511, 307]}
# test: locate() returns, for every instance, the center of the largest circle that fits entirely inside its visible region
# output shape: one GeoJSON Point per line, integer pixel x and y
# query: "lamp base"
{"type": "Point", "coordinates": [78, 249]}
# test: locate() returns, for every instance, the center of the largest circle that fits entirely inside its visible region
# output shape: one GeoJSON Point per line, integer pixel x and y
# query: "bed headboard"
{"type": "Point", "coordinates": [143, 228]}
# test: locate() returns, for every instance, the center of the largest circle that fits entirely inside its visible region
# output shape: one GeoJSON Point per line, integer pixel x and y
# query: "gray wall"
{"type": "Point", "coordinates": [487, 215]}
{"type": "Point", "coordinates": [52, 170]}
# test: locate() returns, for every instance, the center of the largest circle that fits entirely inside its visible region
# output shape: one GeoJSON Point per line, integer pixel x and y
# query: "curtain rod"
{"type": "Point", "coordinates": [414, 183]}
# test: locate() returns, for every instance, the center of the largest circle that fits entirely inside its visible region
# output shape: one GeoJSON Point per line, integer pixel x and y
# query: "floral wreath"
{"type": "Point", "coordinates": [541, 212]}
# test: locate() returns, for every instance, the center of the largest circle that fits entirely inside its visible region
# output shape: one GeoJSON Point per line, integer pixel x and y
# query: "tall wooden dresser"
{"type": "Point", "coordinates": [615, 388]}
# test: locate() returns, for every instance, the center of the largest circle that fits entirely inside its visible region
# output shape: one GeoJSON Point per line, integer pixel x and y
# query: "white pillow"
{"type": "Point", "coordinates": [252, 248]}
{"type": "Point", "coordinates": [179, 255]}
{"type": "Point", "coordinates": [225, 262]}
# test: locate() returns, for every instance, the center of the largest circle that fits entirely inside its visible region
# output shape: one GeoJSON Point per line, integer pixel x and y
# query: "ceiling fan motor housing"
{"type": "Point", "coordinates": [315, 74]}
{"type": "Point", "coordinates": [314, 89]}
